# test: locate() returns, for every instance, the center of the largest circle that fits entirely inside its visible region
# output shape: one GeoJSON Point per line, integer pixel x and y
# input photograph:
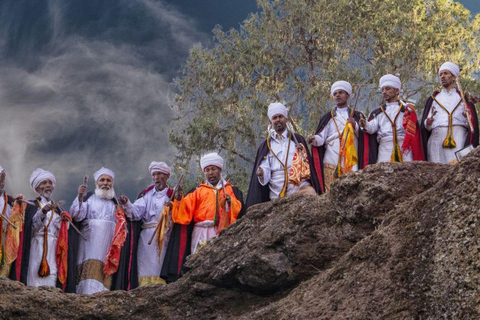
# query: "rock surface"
{"type": "Point", "coordinates": [393, 241]}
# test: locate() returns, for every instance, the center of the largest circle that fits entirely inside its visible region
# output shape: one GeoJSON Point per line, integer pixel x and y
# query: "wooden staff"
{"type": "Point", "coordinates": [227, 207]}
{"type": "Point", "coordinates": [467, 113]}
{"type": "Point", "coordinates": [160, 219]}
{"type": "Point", "coordinates": [8, 221]}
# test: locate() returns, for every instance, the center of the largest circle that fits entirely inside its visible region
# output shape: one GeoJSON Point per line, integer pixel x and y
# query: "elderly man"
{"type": "Point", "coordinates": [147, 208]}
{"type": "Point", "coordinates": [271, 172]}
{"type": "Point", "coordinates": [46, 223]}
{"type": "Point", "coordinates": [104, 226]}
{"type": "Point", "coordinates": [213, 205]}
{"type": "Point", "coordinates": [393, 127]}
{"type": "Point", "coordinates": [445, 127]}
{"type": "Point", "coordinates": [6, 203]}
{"type": "Point", "coordinates": [335, 144]}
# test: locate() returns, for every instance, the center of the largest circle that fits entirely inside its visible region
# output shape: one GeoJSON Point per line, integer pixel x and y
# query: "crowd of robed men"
{"type": "Point", "coordinates": [105, 242]}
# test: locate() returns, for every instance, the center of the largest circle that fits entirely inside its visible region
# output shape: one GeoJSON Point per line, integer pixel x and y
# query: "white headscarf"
{"type": "Point", "coordinates": [211, 159]}
{"type": "Point", "coordinates": [389, 80]}
{"type": "Point", "coordinates": [341, 85]}
{"type": "Point", "coordinates": [450, 66]}
{"type": "Point", "coordinates": [277, 108]}
{"type": "Point", "coordinates": [159, 166]}
{"type": "Point", "coordinates": [39, 175]}
{"type": "Point", "coordinates": [102, 171]}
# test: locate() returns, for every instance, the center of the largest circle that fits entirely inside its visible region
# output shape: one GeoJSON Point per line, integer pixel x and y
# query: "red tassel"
{"type": "Point", "coordinates": [44, 270]}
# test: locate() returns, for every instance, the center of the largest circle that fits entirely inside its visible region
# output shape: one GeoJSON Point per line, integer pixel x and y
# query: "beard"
{"type": "Point", "coordinates": [104, 193]}
{"type": "Point", "coordinates": [46, 193]}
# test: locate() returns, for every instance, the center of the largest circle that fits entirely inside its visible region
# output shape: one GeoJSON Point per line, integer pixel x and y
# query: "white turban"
{"type": "Point", "coordinates": [341, 85]}
{"type": "Point", "coordinates": [277, 108]}
{"type": "Point", "coordinates": [389, 80]}
{"type": "Point", "coordinates": [450, 66]}
{"type": "Point", "coordinates": [211, 159]}
{"type": "Point", "coordinates": [1, 169]}
{"type": "Point", "coordinates": [38, 176]}
{"type": "Point", "coordinates": [159, 166]}
{"type": "Point", "coordinates": [102, 171]}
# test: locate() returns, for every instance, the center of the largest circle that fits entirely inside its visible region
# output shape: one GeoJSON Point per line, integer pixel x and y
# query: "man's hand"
{"type": "Point", "coordinates": [81, 191]}
{"type": "Point", "coordinates": [352, 121]}
{"type": "Point", "coordinates": [362, 123]}
{"type": "Point", "coordinates": [179, 194]}
{"type": "Point", "coordinates": [259, 172]}
{"type": "Point", "coordinates": [300, 147]}
{"type": "Point", "coordinates": [47, 208]}
{"type": "Point", "coordinates": [429, 121]}
{"type": "Point", "coordinates": [310, 139]}
{"type": "Point", "coordinates": [123, 200]}
{"type": "Point", "coordinates": [229, 199]}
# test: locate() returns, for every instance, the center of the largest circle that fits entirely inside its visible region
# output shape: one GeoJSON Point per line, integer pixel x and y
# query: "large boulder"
{"type": "Point", "coordinates": [393, 241]}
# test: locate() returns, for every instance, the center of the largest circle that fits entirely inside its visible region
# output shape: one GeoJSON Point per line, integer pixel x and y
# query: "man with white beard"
{"type": "Point", "coordinates": [104, 226]}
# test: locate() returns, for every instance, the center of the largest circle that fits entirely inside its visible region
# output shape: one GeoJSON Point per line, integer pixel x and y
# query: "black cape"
{"type": "Point", "coordinates": [472, 136]}
{"type": "Point", "coordinates": [258, 193]}
{"type": "Point", "coordinates": [319, 152]}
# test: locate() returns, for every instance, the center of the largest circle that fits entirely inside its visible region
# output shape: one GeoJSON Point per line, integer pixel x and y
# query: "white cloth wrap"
{"type": "Point", "coordinates": [277, 108]}
{"type": "Point", "coordinates": [39, 175]}
{"type": "Point", "coordinates": [159, 166]}
{"type": "Point", "coordinates": [389, 80]}
{"type": "Point", "coordinates": [341, 85]}
{"type": "Point", "coordinates": [450, 66]}
{"type": "Point", "coordinates": [103, 171]}
{"type": "Point", "coordinates": [35, 259]}
{"type": "Point", "coordinates": [211, 159]}
{"type": "Point", "coordinates": [436, 151]}
{"type": "Point", "coordinates": [202, 231]}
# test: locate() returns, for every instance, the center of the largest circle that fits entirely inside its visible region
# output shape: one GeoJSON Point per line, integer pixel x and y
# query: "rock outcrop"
{"type": "Point", "coordinates": [393, 241]}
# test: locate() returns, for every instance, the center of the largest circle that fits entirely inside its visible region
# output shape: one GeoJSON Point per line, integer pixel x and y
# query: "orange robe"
{"type": "Point", "coordinates": [202, 204]}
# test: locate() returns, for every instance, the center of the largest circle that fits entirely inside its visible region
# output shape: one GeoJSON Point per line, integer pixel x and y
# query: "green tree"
{"type": "Point", "coordinates": [293, 50]}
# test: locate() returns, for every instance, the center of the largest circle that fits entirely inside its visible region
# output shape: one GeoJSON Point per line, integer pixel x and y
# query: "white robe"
{"type": "Point", "coordinates": [330, 138]}
{"type": "Point", "coordinates": [36, 248]}
{"type": "Point", "coordinates": [439, 127]}
{"type": "Point", "coordinates": [98, 227]}
{"type": "Point", "coordinates": [148, 209]}
{"type": "Point", "coordinates": [383, 128]}
{"type": "Point", "coordinates": [273, 173]}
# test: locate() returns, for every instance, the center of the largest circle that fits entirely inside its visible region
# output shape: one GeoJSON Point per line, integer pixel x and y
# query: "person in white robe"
{"type": "Point", "coordinates": [97, 215]}
{"type": "Point", "coordinates": [388, 123]}
{"type": "Point", "coordinates": [331, 134]}
{"type": "Point", "coordinates": [148, 208]}
{"type": "Point", "coordinates": [45, 220]}
{"type": "Point", "coordinates": [271, 170]}
{"type": "Point", "coordinates": [446, 112]}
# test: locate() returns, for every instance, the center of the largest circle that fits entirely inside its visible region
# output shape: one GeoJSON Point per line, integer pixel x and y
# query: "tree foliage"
{"type": "Point", "coordinates": [293, 50]}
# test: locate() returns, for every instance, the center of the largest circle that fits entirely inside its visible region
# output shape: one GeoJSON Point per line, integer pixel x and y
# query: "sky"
{"type": "Point", "coordinates": [86, 84]}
